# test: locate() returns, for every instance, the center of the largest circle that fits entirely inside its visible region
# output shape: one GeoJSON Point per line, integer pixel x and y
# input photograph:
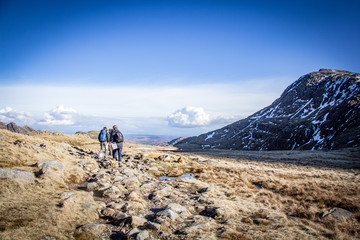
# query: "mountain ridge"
{"type": "Point", "coordinates": [320, 110]}
{"type": "Point", "coordinates": [15, 128]}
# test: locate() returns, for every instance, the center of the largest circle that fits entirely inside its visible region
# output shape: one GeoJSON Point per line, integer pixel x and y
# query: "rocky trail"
{"type": "Point", "coordinates": [146, 198]}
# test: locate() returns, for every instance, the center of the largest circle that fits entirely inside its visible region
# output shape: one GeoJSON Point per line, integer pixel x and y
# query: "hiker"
{"type": "Point", "coordinates": [104, 139]}
{"type": "Point", "coordinates": [109, 145]}
{"type": "Point", "coordinates": [117, 140]}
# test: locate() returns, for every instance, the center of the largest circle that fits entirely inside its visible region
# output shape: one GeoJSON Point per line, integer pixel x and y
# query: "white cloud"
{"type": "Point", "coordinates": [8, 114]}
{"type": "Point", "coordinates": [189, 117]}
{"type": "Point", "coordinates": [59, 116]}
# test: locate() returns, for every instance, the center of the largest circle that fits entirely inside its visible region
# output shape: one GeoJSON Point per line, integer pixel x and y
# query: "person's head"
{"type": "Point", "coordinates": [115, 127]}
{"type": "Point", "coordinates": [105, 128]}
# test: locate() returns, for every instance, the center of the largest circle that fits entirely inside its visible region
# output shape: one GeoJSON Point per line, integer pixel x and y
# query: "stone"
{"type": "Point", "coordinates": [133, 195]}
{"type": "Point", "coordinates": [119, 216]}
{"type": "Point", "coordinates": [137, 221]}
{"type": "Point", "coordinates": [101, 205]}
{"type": "Point", "coordinates": [66, 194]}
{"type": "Point", "coordinates": [67, 202]}
{"type": "Point", "coordinates": [196, 228]}
{"type": "Point", "coordinates": [139, 156]}
{"type": "Point", "coordinates": [21, 175]}
{"type": "Point", "coordinates": [179, 209]}
{"type": "Point", "coordinates": [116, 206]}
{"type": "Point", "coordinates": [113, 190]}
{"type": "Point", "coordinates": [153, 226]}
{"type": "Point", "coordinates": [49, 167]}
{"type": "Point", "coordinates": [52, 164]}
{"type": "Point", "coordinates": [90, 231]}
{"type": "Point", "coordinates": [133, 232]}
{"type": "Point", "coordinates": [89, 165]}
{"type": "Point", "coordinates": [108, 212]}
{"type": "Point", "coordinates": [338, 213]}
{"type": "Point", "coordinates": [143, 235]}
{"type": "Point", "coordinates": [131, 183]}
{"type": "Point", "coordinates": [168, 213]}
{"type": "Point", "coordinates": [165, 158]}
{"type": "Point", "coordinates": [94, 186]}
{"type": "Point", "coordinates": [49, 238]}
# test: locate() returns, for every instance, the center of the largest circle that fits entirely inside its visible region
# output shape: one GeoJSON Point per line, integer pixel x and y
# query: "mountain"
{"type": "Point", "coordinates": [176, 141]}
{"type": "Point", "coordinates": [318, 111]}
{"type": "Point", "coordinates": [15, 128]}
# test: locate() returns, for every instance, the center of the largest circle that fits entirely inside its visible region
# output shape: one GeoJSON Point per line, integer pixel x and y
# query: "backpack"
{"type": "Point", "coordinates": [102, 136]}
{"type": "Point", "coordinates": [118, 137]}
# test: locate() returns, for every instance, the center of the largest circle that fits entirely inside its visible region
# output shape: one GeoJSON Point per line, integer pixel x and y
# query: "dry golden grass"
{"type": "Point", "coordinates": [300, 194]}
{"type": "Point", "coordinates": [32, 211]}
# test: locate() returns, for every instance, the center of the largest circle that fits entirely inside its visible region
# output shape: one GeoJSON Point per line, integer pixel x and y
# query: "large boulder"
{"type": "Point", "coordinates": [21, 175]}
{"type": "Point", "coordinates": [49, 167]}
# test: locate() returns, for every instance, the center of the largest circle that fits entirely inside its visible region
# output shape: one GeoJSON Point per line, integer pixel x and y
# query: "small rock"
{"type": "Point", "coordinates": [88, 206]}
{"type": "Point", "coordinates": [119, 216]}
{"type": "Point", "coordinates": [139, 156]}
{"type": "Point", "coordinates": [209, 212]}
{"type": "Point", "coordinates": [101, 205]}
{"type": "Point", "coordinates": [133, 195]}
{"type": "Point", "coordinates": [338, 213]}
{"type": "Point", "coordinates": [137, 221]}
{"type": "Point", "coordinates": [143, 235]}
{"type": "Point", "coordinates": [49, 238]}
{"type": "Point", "coordinates": [93, 186]}
{"type": "Point", "coordinates": [113, 190]}
{"type": "Point", "coordinates": [116, 206]}
{"type": "Point", "coordinates": [153, 226]}
{"type": "Point", "coordinates": [133, 231]}
{"type": "Point", "coordinates": [131, 183]}
{"type": "Point", "coordinates": [108, 212]}
{"type": "Point", "coordinates": [181, 210]}
{"type": "Point", "coordinates": [90, 231]}
{"type": "Point", "coordinates": [66, 202]}
{"type": "Point", "coordinates": [18, 142]}
{"type": "Point", "coordinates": [169, 214]}
{"type": "Point", "coordinates": [66, 194]}
{"type": "Point", "coordinates": [165, 158]}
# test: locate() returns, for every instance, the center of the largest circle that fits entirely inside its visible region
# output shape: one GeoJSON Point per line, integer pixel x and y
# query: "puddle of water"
{"type": "Point", "coordinates": [258, 187]}
{"type": "Point", "coordinates": [187, 175]}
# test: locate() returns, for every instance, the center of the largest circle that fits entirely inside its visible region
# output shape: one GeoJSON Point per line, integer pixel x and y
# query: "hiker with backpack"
{"type": "Point", "coordinates": [104, 139]}
{"type": "Point", "coordinates": [117, 140]}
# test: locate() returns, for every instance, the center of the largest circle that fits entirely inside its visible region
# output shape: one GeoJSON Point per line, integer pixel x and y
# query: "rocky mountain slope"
{"type": "Point", "coordinates": [320, 110]}
{"type": "Point", "coordinates": [15, 128]}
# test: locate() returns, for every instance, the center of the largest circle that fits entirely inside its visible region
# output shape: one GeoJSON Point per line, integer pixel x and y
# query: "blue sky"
{"type": "Point", "coordinates": [163, 67]}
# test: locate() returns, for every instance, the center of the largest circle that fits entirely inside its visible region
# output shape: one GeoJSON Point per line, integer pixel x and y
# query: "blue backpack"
{"type": "Point", "coordinates": [102, 136]}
